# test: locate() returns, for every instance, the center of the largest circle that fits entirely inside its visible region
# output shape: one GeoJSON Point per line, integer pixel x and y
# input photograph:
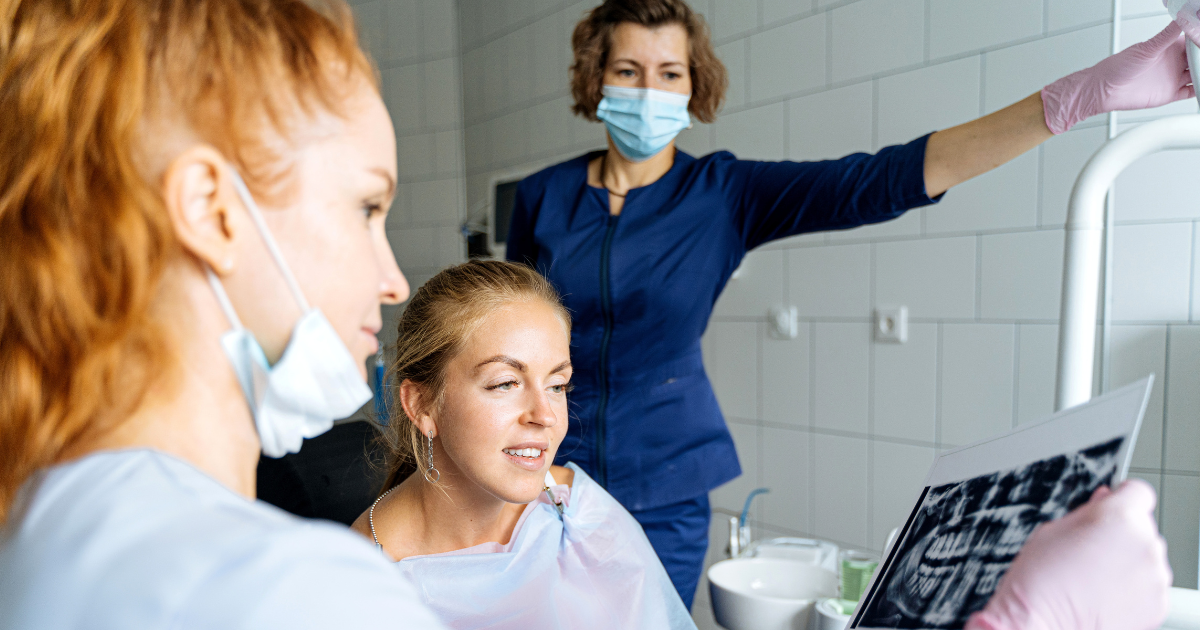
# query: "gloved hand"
{"type": "Point", "coordinates": [1187, 14]}
{"type": "Point", "coordinates": [1149, 74]}
{"type": "Point", "coordinates": [1103, 567]}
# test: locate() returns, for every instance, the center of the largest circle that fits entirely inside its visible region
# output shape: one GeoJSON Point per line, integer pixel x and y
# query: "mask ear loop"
{"type": "Point", "coordinates": [223, 298]}
{"type": "Point", "coordinates": [256, 216]}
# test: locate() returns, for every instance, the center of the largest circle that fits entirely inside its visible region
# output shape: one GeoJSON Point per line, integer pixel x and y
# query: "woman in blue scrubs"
{"type": "Point", "coordinates": [640, 239]}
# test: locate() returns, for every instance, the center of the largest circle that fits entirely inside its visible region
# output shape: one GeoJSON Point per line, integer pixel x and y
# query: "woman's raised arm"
{"type": "Point", "coordinates": [1148, 74]}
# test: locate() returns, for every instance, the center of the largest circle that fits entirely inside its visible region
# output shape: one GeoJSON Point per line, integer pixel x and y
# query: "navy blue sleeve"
{"type": "Point", "coordinates": [521, 246]}
{"type": "Point", "coordinates": [772, 200]}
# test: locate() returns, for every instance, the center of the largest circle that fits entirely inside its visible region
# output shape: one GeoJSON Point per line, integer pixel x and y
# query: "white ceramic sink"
{"type": "Point", "coordinates": [767, 593]}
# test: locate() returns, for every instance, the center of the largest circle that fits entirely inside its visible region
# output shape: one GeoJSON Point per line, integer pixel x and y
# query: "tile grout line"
{"type": "Point", "coordinates": [978, 277]}
{"type": "Point", "coordinates": [1166, 385]}
{"type": "Point", "coordinates": [828, 50]}
{"type": "Point", "coordinates": [760, 473]}
{"type": "Point", "coordinates": [1016, 397]}
{"type": "Point", "coordinates": [928, 29]}
{"type": "Point", "coordinates": [812, 412]}
{"type": "Point", "coordinates": [875, 121]}
{"type": "Point", "coordinates": [871, 348]}
{"type": "Point", "coordinates": [1192, 288]}
{"type": "Point", "coordinates": [937, 387]}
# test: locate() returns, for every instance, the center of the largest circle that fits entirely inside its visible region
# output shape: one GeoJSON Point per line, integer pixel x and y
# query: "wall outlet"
{"type": "Point", "coordinates": [891, 324]}
{"type": "Point", "coordinates": [784, 322]}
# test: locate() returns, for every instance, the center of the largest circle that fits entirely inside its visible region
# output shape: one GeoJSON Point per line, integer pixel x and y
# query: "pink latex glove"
{"type": "Point", "coordinates": [1101, 567]}
{"type": "Point", "coordinates": [1149, 74]}
{"type": "Point", "coordinates": [1187, 14]}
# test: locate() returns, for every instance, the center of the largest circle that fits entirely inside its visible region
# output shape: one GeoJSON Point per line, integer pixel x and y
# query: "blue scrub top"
{"type": "Point", "coordinates": [640, 286]}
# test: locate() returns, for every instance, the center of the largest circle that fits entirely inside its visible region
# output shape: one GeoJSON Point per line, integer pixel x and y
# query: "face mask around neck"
{"type": "Point", "coordinates": [315, 381]}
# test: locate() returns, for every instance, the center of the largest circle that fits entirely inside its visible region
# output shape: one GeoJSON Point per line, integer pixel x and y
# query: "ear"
{"type": "Point", "coordinates": [199, 196]}
{"type": "Point", "coordinates": [411, 400]}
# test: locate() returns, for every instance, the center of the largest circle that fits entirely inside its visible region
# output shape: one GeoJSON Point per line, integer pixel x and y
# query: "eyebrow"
{"type": "Point", "coordinates": [507, 360]}
{"type": "Point", "coordinates": [561, 366]}
{"type": "Point", "coordinates": [665, 63]}
{"type": "Point", "coordinates": [391, 181]}
{"type": "Point", "coordinates": [503, 358]}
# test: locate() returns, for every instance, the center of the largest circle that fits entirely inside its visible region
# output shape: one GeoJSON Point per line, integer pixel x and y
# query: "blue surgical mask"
{"type": "Point", "coordinates": [315, 381]}
{"type": "Point", "coordinates": [642, 121]}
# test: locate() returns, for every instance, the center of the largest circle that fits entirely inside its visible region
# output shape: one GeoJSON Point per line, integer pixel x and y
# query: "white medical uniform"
{"type": "Point", "coordinates": [139, 539]}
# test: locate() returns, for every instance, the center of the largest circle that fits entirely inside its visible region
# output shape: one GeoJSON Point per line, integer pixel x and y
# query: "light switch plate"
{"type": "Point", "coordinates": [891, 324]}
{"type": "Point", "coordinates": [783, 322]}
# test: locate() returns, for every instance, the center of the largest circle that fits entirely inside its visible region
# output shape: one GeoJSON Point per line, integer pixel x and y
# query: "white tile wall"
{"type": "Point", "coordinates": [1182, 431]}
{"type": "Point", "coordinates": [1038, 362]}
{"type": "Point", "coordinates": [1161, 252]}
{"type": "Point", "coordinates": [1140, 199]}
{"type": "Point", "coordinates": [788, 58]}
{"type": "Point", "coordinates": [1136, 352]}
{"type": "Point", "coordinates": [897, 477]}
{"type": "Point", "coordinates": [830, 281]}
{"type": "Point", "coordinates": [840, 489]}
{"type": "Point", "coordinates": [956, 27]}
{"type": "Point", "coordinates": [933, 277]}
{"type": "Point", "coordinates": [843, 352]}
{"type": "Point", "coordinates": [977, 381]}
{"type": "Point", "coordinates": [753, 134]}
{"type": "Point", "coordinates": [1062, 159]}
{"type": "Point", "coordinates": [915, 103]}
{"type": "Point", "coordinates": [874, 36]}
{"type": "Point", "coordinates": [786, 379]}
{"type": "Point", "coordinates": [1018, 71]}
{"type": "Point", "coordinates": [845, 126]}
{"type": "Point", "coordinates": [905, 394]}
{"type": "Point", "coordinates": [1021, 275]}
{"type": "Point", "coordinates": [840, 427]}
{"type": "Point", "coordinates": [734, 16]}
{"type": "Point", "coordinates": [1195, 272]}
{"type": "Point", "coordinates": [1180, 521]}
{"type": "Point", "coordinates": [733, 55]}
{"type": "Point", "coordinates": [414, 44]}
{"type": "Point", "coordinates": [757, 287]}
{"type": "Point", "coordinates": [775, 10]}
{"type": "Point", "coordinates": [734, 367]}
{"type": "Point", "coordinates": [732, 495]}
{"type": "Point", "coordinates": [1001, 199]}
{"type": "Point", "coordinates": [786, 459]}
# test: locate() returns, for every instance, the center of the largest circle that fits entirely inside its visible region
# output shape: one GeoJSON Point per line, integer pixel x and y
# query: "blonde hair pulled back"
{"type": "Point", "coordinates": [436, 322]}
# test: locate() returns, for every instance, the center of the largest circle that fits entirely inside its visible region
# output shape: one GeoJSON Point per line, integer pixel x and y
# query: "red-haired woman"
{"type": "Point", "coordinates": [158, 330]}
{"type": "Point", "coordinates": [640, 239]}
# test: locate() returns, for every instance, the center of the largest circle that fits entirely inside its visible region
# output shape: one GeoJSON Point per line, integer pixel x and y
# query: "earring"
{"type": "Point", "coordinates": [431, 474]}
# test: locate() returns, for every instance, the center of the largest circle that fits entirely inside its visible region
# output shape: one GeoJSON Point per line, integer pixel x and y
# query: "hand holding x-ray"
{"type": "Point", "coordinates": [1097, 567]}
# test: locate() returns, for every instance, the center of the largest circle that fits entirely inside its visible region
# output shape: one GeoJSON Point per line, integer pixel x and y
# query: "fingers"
{"type": "Point", "coordinates": [1100, 493]}
{"type": "Point", "coordinates": [1135, 495]}
{"type": "Point", "coordinates": [1165, 37]}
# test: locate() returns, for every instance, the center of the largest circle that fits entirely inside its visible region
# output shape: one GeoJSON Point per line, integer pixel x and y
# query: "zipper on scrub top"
{"type": "Point", "coordinates": [606, 311]}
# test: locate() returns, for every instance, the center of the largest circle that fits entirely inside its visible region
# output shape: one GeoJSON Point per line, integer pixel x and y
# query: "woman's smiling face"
{"type": "Point", "coordinates": [504, 410]}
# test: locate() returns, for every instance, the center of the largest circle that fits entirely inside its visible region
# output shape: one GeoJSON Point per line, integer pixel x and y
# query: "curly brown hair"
{"type": "Point", "coordinates": [593, 39]}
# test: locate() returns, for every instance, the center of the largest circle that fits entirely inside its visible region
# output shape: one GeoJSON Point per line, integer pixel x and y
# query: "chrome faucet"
{"type": "Point", "coordinates": [739, 532]}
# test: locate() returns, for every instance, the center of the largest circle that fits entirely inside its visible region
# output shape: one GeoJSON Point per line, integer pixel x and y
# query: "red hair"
{"type": "Point", "coordinates": [84, 237]}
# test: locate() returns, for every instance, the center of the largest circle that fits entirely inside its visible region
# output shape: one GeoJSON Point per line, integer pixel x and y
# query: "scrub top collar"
{"type": "Point", "coordinates": [682, 159]}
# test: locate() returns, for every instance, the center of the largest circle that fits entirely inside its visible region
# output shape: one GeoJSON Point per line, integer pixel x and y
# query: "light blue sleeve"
{"type": "Point", "coordinates": [315, 577]}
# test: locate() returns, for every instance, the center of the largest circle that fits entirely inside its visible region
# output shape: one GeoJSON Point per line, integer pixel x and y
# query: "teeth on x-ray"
{"type": "Point", "coordinates": [964, 535]}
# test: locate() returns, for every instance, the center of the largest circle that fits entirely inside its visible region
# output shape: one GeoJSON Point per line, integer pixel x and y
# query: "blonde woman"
{"type": "Point", "coordinates": [495, 535]}
{"type": "Point", "coordinates": [158, 329]}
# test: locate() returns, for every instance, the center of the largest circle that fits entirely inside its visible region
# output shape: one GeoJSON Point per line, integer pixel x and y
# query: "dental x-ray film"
{"type": "Point", "coordinates": [981, 502]}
